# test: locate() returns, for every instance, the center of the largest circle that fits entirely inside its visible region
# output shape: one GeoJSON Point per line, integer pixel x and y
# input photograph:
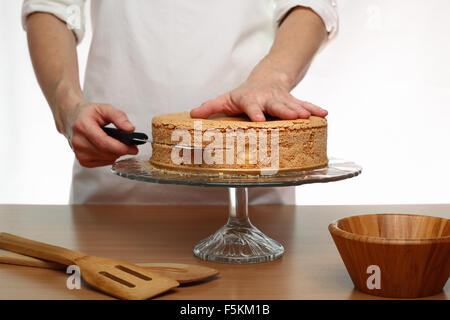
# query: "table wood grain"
{"type": "Point", "coordinates": [311, 267]}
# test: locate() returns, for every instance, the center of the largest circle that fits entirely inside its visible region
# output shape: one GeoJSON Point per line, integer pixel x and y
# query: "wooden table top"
{"type": "Point", "coordinates": [311, 267]}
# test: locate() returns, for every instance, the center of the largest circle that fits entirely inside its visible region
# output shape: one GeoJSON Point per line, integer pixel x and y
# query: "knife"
{"type": "Point", "coordinates": [137, 138]}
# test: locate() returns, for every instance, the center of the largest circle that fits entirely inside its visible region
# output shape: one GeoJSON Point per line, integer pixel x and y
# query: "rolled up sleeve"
{"type": "Point", "coordinates": [69, 11]}
{"type": "Point", "coordinates": [325, 9]}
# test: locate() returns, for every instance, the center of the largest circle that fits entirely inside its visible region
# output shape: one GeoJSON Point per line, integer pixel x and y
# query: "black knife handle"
{"type": "Point", "coordinates": [128, 138]}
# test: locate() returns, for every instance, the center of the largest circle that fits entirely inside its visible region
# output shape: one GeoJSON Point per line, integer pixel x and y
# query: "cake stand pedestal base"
{"type": "Point", "coordinates": [238, 241]}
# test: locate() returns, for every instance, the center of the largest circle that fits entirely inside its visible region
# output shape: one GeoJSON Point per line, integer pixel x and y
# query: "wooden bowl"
{"type": "Point", "coordinates": [411, 251]}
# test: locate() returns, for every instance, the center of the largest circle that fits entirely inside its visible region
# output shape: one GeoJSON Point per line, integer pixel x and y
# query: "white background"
{"type": "Point", "coordinates": [384, 80]}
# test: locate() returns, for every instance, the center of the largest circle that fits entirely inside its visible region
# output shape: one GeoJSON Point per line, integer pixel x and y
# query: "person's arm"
{"type": "Point", "coordinates": [53, 52]}
{"type": "Point", "coordinates": [267, 89]}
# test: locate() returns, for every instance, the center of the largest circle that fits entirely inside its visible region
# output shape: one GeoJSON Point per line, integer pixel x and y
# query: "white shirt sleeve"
{"type": "Point", "coordinates": [326, 9]}
{"type": "Point", "coordinates": [69, 11]}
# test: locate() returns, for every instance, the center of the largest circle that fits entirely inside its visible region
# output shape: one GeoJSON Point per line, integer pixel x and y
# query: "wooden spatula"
{"type": "Point", "coordinates": [181, 272]}
{"type": "Point", "coordinates": [119, 279]}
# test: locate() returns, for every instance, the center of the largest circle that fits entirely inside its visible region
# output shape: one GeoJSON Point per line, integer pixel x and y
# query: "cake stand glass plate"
{"type": "Point", "coordinates": [238, 241]}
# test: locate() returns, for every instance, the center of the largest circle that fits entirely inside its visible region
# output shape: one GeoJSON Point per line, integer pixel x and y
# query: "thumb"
{"type": "Point", "coordinates": [210, 107]}
{"type": "Point", "coordinates": [116, 116]}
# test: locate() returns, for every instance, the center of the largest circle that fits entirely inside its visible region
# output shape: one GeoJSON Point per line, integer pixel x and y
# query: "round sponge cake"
{"type": "Point", "coordinates": [225, 143]}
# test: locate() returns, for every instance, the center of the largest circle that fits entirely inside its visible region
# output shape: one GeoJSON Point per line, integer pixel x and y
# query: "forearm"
{"type": "Point", "coordinates": [53, 52]}
{"type": "Point", "coordinates": [299, 37]}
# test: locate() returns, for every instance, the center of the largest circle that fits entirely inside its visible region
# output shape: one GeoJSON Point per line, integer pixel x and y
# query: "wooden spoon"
{"type": "Point", "coordinates": [119, 279]}
{"type": "Point", "coordinates": [181, 272]}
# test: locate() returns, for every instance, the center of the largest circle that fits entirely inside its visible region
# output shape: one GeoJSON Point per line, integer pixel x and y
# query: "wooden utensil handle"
{"type": "Point", "coordinates": [9, 257]}
{"type": "Point", "coordinates": [38, 249]}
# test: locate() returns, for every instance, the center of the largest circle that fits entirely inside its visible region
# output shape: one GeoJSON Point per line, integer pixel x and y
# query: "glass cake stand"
{"type": "Point", "coordinates": [238, 241]}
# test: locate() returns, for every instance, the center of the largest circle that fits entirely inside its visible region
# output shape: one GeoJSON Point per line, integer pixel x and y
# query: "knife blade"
{"type": "Point", "coordinates": [138, 138]}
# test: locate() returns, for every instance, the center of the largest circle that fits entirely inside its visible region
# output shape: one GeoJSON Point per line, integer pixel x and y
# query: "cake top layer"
{"type": "Point", "coordinates": [183, 120]}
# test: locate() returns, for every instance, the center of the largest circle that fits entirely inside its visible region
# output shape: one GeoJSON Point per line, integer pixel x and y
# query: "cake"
{"type": "Point", "coordinates": [225, 143]}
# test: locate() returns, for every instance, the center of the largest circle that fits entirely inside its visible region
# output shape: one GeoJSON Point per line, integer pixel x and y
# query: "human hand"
{"type": "Point", "coordinates": [91, 145]}
{"type": "Point", "coordinates": [259, 95]}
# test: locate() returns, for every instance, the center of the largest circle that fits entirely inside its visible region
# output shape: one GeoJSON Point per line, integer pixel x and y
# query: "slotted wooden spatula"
{"type": "Point", "coordinates": [181, 272]}
{"type": "Point", "coordinates": [119, 279]}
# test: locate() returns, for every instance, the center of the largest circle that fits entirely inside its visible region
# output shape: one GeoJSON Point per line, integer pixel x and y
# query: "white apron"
{"type": "Point", "coordinates": [150, 57]}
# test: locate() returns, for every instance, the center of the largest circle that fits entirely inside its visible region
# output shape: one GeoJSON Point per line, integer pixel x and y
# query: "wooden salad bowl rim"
{"type": "Point", "coordinates": [336, 230]}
